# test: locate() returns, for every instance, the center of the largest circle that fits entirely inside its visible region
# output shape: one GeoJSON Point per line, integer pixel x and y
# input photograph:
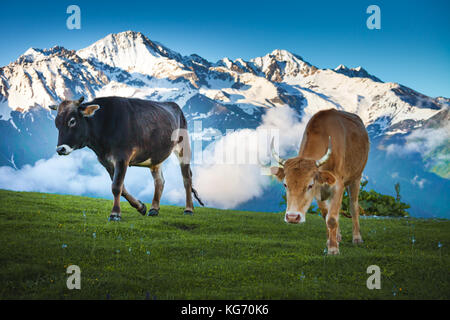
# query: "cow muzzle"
{"type": "Point", "coordinates": [63, 150]}
{"type": "Point", "coordinates": [294, 217]}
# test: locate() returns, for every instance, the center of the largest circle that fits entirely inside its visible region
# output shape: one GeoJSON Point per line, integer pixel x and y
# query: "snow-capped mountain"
{"type": "Point", "coordinates": [42, 77]}
{"type": "Point", "coordinates": [134, 53]}
{"type": "Point", "coordinates": [129, 63]}
{"type": "Point", "coordinates": [226, 94]}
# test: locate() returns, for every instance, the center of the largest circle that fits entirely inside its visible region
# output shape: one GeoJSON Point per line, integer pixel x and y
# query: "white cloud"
{"type": "Point", "coordinates": [418, 182]}
{"type": "Point", "coordinates": [422, 141]}
{"type": "Point", "coordinates": [5, 111]}
{"type": "Point", "coordinates": [80, 173]}
{"type": "Point", "coordinates": [58, 174]}
{"type": "Point", "coordinates": [225, 182]}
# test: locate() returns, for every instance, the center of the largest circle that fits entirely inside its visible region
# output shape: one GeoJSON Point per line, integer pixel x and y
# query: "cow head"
{"type": "Point", "coordinates": [303, 181]}
{"type": "Point", "coordinates": [71, 122]}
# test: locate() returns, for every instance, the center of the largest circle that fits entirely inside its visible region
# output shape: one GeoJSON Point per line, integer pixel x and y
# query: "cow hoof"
{"type": "Point", "coordinates": [188, 212]}
{"type": "Point", "coordinates": [357, 240]}
{"type": "Point", "coordinates": [143, 209]}
{"type": "Point", "coordinates": [333, 251]}
{"type": "Point", "coordinates": [152, 212]}
{"type": "Point", "coordinates": [114, 217]}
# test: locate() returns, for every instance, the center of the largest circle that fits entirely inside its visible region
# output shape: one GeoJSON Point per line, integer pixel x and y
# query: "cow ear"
{"type": "Point", "coordinates": [89, 111]}
{"type": "Point", "coordinates": [277, 172]}
{"type": "Point", "coordinates": [325, 177]}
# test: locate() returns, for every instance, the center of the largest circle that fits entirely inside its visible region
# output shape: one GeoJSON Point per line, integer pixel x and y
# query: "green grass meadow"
{"type": "Point", "coordinates": [214, 254]}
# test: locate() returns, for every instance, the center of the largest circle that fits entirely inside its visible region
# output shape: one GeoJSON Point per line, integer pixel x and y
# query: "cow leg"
{"type": "Point", "coordinates": [120, 170]}
{"type": "Point", "coordinates": [138, 205]}
{"type": "Point", "coordinates": [353, 191]}
{"type": "Point", "coordinates": [187, 179]}
{"type": "Point", "coordinates": [158, 178]}
{"type": "Point", "coordinates": [332, 219]}
{"type": "Point", "coordinates": [324, 209]}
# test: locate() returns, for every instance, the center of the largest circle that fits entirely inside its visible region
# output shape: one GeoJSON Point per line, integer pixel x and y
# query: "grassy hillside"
{"type": "Point", "coordinates": [215, 254]}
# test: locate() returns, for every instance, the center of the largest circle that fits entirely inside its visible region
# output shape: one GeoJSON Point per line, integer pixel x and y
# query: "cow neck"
{"type": "Point", "coordinates": [92, 142]}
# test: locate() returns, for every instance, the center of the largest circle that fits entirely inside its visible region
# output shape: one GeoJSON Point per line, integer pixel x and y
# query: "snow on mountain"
{"type": "Point", "coordinates": [129, 64]}
{"type": "Point", "coordinates": [5, 110]}
{"type": "Point", "coordinates": [359, 72]}
{"type": "Point", "coordinates": [281, 65]}
{"type": "Point", "coordinates": [375, 102]}
{"type": "Point", "coordinates": [44, 77]}
{"type": "Point", "coordinates": [133, 52]}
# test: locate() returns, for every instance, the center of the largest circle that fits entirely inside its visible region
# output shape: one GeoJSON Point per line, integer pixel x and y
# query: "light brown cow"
{"type": "Point", "coordinates": [332, 156]}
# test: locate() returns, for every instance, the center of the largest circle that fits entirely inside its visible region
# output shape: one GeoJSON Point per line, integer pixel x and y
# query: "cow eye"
{"type": "Point", "coordinates": [285, 185]}
{"type": "Point", "coordinates": [310, 187]}
{"type": "Point", "coordinates": [71, 122]}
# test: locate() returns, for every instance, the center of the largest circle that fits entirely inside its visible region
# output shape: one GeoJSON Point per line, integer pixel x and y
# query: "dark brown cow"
{"type": "Point", "coordinates": [127, 132]}
{"type": "Point", "coordinates": [332, 156]}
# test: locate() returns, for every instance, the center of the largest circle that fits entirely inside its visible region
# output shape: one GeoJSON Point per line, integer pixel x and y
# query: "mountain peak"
{"type": "Point", "coordinates": [340, 67]}
{"type": "Point", "coordinates": [35, 54]}
{"type": "Point", "coordinates": [32, 54]}
{"type": "Point", "coordinates": [131, 42]}
{"type": "Point", "coordinates": [281, 53]}
{"type": "Point", "coordinates": [129, 33]}
{"type": "Point", "coordinates": [285, 55]}
{"type": "Point", "coordinates": [358, 72]}
{"type": "Point", "coordinates": [122, 38]}
{"type": "Point", "coordinates": [281, 63]}
{"type": "Point", "coordinates": [132, 52]}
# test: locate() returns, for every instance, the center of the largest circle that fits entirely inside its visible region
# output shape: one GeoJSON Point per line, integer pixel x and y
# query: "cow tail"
{"type": "Point", "coordinates": [196, 196]}
{"type": "Point", "coordinates": [194, 192]}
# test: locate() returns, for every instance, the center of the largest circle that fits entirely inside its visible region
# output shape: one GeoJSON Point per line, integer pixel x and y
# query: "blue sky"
{"type": "Point", "coordinates": [412, 47]}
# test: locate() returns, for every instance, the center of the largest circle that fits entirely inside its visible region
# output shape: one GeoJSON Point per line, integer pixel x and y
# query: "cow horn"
{"type": "Point", "coordinates": [53, 107]}
{"type": "Point", "coordinates": [327, 155]}
{"type": "Point", "coordinates": [280, 160]}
